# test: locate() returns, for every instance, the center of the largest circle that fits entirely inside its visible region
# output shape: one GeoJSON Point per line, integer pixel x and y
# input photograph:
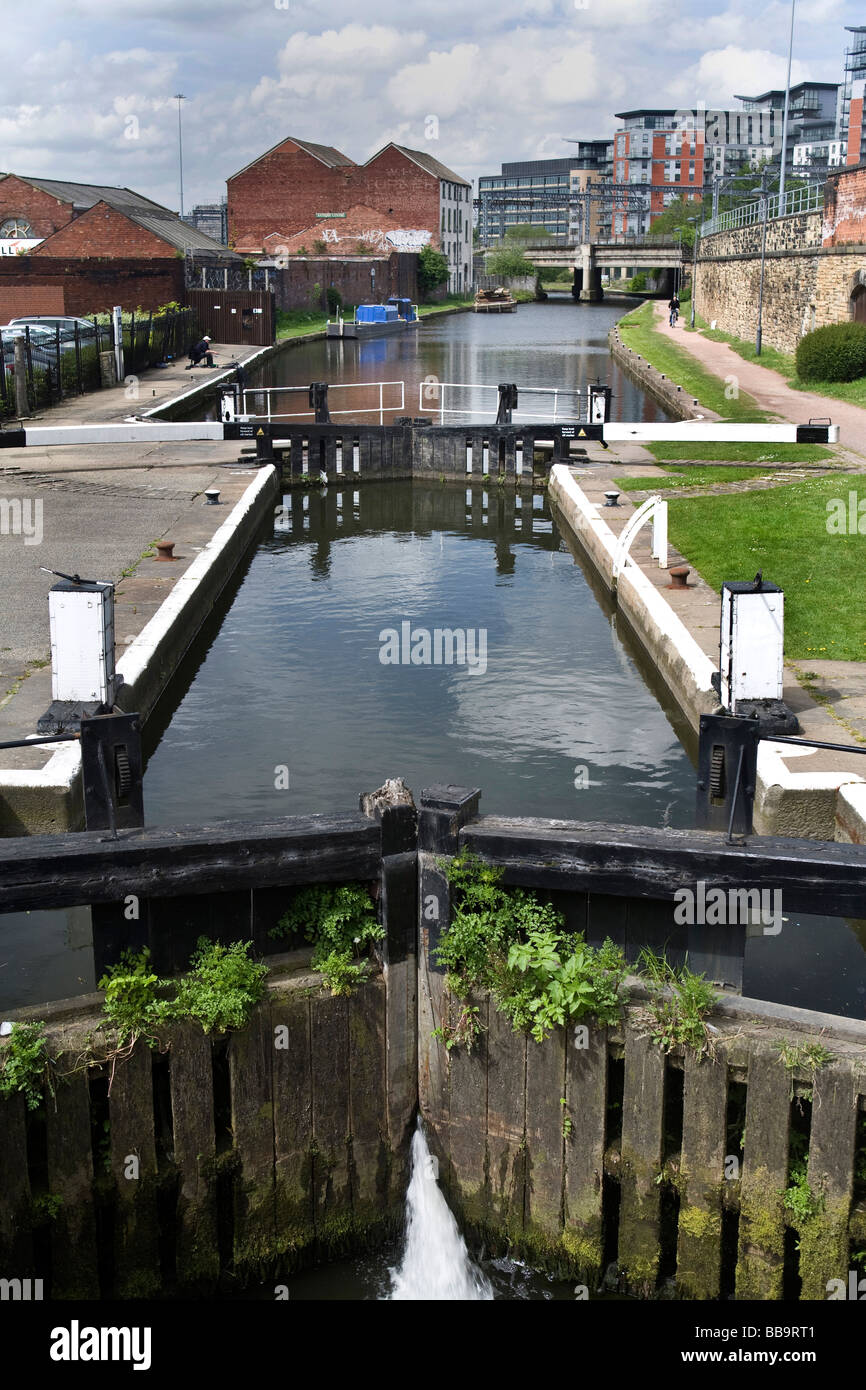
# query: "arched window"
{"type": "Point", "coordinates": [858, 304]}
{"type": "Point", "coordinates": [15, 227]}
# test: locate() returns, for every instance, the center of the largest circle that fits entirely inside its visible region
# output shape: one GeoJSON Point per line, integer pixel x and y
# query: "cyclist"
{"type": "Point", "coordinates": [674, 308]}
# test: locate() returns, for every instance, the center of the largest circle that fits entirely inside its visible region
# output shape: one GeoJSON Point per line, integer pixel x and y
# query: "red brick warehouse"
{"type": "Point", "coordinates": [298, 186]}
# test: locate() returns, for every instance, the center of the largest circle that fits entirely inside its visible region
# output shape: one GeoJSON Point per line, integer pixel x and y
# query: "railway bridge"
{"type": "Point", "coordinates": [588, 259]}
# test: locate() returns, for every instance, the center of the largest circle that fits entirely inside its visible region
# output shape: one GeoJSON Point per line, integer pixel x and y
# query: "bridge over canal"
{"type": "Point", "coordinates": [588, 259]}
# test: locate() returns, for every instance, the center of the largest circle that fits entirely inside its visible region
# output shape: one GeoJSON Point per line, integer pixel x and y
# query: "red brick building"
{"type": "Point", "coordinates": [298, 186]}
{"type": "Point", "coordinates": [87, 229]}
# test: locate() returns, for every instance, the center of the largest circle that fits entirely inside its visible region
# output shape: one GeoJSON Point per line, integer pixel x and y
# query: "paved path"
{"type": "Point", "coordinates": [100, 509]}
{"type": "Point", "coordinates": [767, 387]}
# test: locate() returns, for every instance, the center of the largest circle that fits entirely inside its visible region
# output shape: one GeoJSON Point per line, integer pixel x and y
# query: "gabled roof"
{"type": "Point", "coordinates": [326, 154]}
{"type": "Point", "coordinates": [425, 162]}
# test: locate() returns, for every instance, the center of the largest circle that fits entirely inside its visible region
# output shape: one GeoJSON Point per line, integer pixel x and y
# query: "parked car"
{"type": "Point", "coordinates": [42, 342]}
{"type": "Point", "coordinates": [65, 322]}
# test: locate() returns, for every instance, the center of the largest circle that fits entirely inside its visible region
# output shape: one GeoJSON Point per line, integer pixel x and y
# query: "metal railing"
{"type": "Point", "coordinates": [796, 200]}
{"type": "Point", "coordinates": [64, 362]}
{"type": "Point", "coordinates": [565, 403]}
{"type": "Point", "coordinates": [258, 400]}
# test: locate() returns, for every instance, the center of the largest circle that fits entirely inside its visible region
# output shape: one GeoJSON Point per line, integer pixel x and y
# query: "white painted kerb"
{"type": "Point", "coordinates": [64, 766]}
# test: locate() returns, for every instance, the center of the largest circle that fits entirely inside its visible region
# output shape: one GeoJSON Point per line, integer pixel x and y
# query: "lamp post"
{"type": "Point", "coordinates": [785, 116]}
{"type": "Point", "coordinates": [178, 96]}
{"type": "Point", "coordinates": [763, 193]}
{"type": "Point", "coordinates": [696, 221]}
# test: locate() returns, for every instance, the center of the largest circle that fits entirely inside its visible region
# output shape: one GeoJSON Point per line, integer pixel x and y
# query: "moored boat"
{"type": "Point", "coordinates": [375, 320]}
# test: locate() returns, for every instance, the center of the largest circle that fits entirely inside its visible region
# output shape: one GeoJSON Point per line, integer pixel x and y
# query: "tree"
{"type": "Point", "coordinates": [508, 263]}
{"type": "Point", "coordinates": [675, 219]}
{"type": "Point", "coordinates": [432, 270]}
{"type": "Point", "coordinates": [526, 233]}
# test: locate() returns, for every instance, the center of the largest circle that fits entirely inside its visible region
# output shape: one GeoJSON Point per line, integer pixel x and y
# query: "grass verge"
{"type": "Point", "coordinates": [292, 323]}
{"type": "Point", "coordinates": [786, 365]}
{"type": "Point", "coordinates": [638, 333]}
{"type": "Point", "coordinates": [783, 531]}
{"type": "Point", "coordinates": [691, 477]}
{"type": "Point", "coordinates": [664, 452]}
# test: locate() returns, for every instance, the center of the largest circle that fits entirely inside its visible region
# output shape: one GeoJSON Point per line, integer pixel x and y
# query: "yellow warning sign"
{"type": "Point", "coordinates": [581, 434]}
{"type": "Point", "coordinates": [259, 431]}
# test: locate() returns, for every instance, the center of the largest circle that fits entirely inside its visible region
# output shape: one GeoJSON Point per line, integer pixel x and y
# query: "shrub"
{"type": "Point", "coordinates": [24, 1064]}
{"type": "Point", "coordinates": [508, 264]}
{"type": "Point", "coordinates": [341, 921]}
{"type": "Point", "coordinates": [432, 270]}
{"type": "Point", "coordinates": [222, 987]}
{"type": "Point", "coordinates": [335, 300]}
{"type": "Point", "coordinates": [836, 352]}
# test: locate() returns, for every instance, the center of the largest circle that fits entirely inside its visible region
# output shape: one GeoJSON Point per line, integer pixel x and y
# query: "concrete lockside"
{"type": "Point", "coordinates": [685, 668]}
{"type": "Point", "coordinates": [47, 799]}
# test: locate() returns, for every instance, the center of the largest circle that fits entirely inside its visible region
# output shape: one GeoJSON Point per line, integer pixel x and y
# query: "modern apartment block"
{"type": "Point", "coordinates": [852, 127]}
{"type": "Point", "coordinates": [813, 125]}
{"type": "Point", "coordinates": [543, 193]}
{"type": "Point", "coordinates": [659, 154]}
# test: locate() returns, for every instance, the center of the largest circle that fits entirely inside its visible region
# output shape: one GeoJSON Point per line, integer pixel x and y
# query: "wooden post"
{"type": "Point", "coordinates": [765, 1172]}
{"type": "Point", "coordinates": [22, 408]}
{"type": "Point", "coordinates": [642, 1140]}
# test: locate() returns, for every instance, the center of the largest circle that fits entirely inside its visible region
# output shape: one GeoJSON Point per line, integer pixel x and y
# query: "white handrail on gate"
{"type": "Point", "coordinates": [268, 391]}
{"type": "Point", "coordinates": [656, 508]}
{"type": "Point", "coordinates": [431, 395]}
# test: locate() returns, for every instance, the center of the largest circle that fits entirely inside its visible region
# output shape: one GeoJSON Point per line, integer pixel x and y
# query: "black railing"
{"type": "Point", "coordinates": [66, 361]}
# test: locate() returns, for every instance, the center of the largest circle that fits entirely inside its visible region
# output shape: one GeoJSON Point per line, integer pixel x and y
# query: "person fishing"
{"type": "Point", "coordinates": [200, 351]}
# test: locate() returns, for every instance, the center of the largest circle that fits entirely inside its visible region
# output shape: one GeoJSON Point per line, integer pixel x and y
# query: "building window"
{"type": "Point", "coordinates": [15, 227]}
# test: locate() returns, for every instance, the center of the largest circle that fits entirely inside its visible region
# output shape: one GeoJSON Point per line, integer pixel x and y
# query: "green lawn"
{"type": "Point", "coordinates": [452, 301]}
{"type": "Point", "coordinates": [637, 332]}
{"type": "Point", "coordinates": [665, 452]}
{"type": "Point", "coordinates": [783, 531]}
{"type": "Point", "coordinates": [691, 477]}
{"type": "Point", "coordinates": [292, 323]}
{"type": "Point", "coordinates": [785, 364]}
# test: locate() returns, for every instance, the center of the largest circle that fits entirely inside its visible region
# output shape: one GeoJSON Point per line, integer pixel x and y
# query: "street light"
{"type": "Point", "coordinates": [696, 221]}
{"type": "Point", "coordinates": [785, 116]}
{"type": "Point", "coordinates": [178, 96]}
{"type": "Point", "coordinates": [763, 194]}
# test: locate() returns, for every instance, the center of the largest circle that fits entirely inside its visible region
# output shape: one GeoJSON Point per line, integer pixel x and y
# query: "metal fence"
{"type": "Point", "coordinates": [66, 362]}
{"type": "Point", "coordinates": [796, 200]}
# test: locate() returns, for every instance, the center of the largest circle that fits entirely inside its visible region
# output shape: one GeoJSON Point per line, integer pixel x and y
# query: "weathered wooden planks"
{"type": "Point", "coordinates": [642, 1138]}
{"type": "Point", "coordinates": [467, 1128]}
{"type": "Point", "coordinates": [251, 1053]}
{"type": "Point", "coordinates": [134, 1170]}
{"type": "Point", "coordinates": [69, 1152]}
{"type": "Point", "coordinates": [332, 1192]}
{"type": "Point", "coordinates": [765, 1171]}
{"type": "Point", "coordinates": [586, 1105]}
{"type": "Point", "coordinates": [370, 1178]}
{"type": "Point", "coordinates": [506, 1124]}
{"type": "Point", "coordinates": [699, 1237]}
{"type": "Point", "coordinates": [824, 1238]}
{"type": "Point", "coordinates": [545, 1113]}
{"type": "Point", "coordinates": [293, 1125]}
{"type": "Point", "coordinates": [16, 1246]}
{"type": "Point", "coordinates": [192, 1111]}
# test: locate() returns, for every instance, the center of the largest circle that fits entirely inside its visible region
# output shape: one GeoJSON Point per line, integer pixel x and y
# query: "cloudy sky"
{"type": "Point", "coordinates": [87, 84]}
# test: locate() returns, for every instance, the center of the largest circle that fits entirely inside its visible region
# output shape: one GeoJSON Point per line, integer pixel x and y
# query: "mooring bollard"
{"type": "Point", "coordinates": [213, 496]}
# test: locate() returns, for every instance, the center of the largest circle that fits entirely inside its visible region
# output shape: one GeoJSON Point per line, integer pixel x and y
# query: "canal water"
{"type": "Point", "coordinates": [555, 344]}
{"type": "Point", "coordinates": [285, 705]}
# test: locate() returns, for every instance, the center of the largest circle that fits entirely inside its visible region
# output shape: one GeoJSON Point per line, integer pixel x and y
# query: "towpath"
{"type": "Point", "coordinates": [100, 508]}
{"type": "Point", "coordinates": [768, 388]}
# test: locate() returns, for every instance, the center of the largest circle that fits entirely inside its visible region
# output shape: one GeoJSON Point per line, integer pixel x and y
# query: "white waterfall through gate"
{"type": "Point", "coordinates": [435, 1263]}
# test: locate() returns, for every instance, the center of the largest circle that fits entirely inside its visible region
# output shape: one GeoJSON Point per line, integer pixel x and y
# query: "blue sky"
{"type": "Point", "coordinates": [87, 84]}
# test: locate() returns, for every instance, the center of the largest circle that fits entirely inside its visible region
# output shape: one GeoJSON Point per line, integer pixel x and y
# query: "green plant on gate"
{"type": "Point", "coordinates": [132, 1004]}
{"type": "Point", "coordinates": [24, 1068]}
{"type": "Point", "coordinates": [679, 1003]}
{"type": "Point", "coordinates": [508, 942]}
{"type": "Point", "coordinates": [341, 922]}
{"type": "Point", "coordinates": [805, 1056]}
{"type": "Point", "coordinates": [222, 987]}
{"type": "Point", "coordinates": [798, 1197]}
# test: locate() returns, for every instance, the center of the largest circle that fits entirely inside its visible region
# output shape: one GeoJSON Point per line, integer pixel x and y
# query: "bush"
{"type": "Point", "coordinates": [638, 282]}
{"type": "Point", "coordinates": [834, 353]}
{"type": "Point", "coordinates": [335, 300]}
{"type": "Point", "coordinates": [432, 270]}
{"type": "Point", "coordinates": [508, 264]}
